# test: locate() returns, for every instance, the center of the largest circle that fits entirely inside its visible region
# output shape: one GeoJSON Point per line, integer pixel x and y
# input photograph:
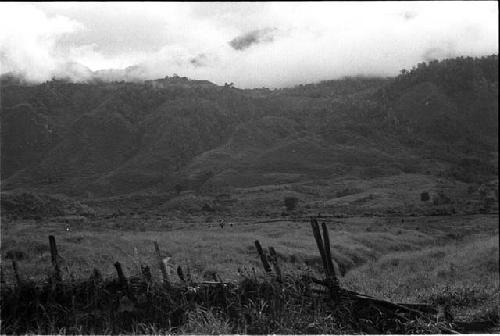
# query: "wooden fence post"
{"type": "Point", "coordinates": [274, 261]}
{"type": "Point", "coordinates": [263, 258]}
{"type": "Point", "coordinates": [328, 252]}
{"type": "Point", "coordinates": [16, 273]}
{"type": "Point", "coordinates": [319, 243]}
{"type": "Point", "coordinates": [54, 256]}
{"type": "Point", "coordinates": [96, 276]}
{"type": "Point", "coordinates": [121, 276]}
{"type": "Point", "coordinates": [326, 255]}
{"type": "Point", "coordinates": [331, 276]}
{"type": "Point", "coordinates": [163, 269]}
{"type": "Point", "coordinates": [181, 274]}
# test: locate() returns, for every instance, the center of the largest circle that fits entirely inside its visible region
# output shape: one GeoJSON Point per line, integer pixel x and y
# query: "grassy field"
{"type": "Point", "coordinates": [449, 260]}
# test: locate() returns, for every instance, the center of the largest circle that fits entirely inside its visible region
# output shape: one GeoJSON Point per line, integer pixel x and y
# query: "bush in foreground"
{"type": "Point", "coordinates": [250, 306]}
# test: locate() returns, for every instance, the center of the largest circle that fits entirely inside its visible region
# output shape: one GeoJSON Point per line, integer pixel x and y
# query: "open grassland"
{"type": "Point", "coordinates": [462, 275]}
{"type": "Point", "coordinates": [449, 260]}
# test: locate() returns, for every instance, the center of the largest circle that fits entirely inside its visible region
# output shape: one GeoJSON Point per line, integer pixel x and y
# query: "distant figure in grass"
{"type": "Point", "coordinates": [222, 223]}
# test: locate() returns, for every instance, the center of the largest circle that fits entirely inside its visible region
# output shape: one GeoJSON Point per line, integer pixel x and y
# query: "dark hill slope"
{"type": "Point", "coordinates": [26, 137]}
{"type": "Point", "coordinates": [454, 101]}
{"type": "Point", "coordinates": [448, 110]}
{"type": "Point", "coordinates": [171, 136]}
{"type": "Point", "coordinates": [115, 138]}
{"type": "Point", "coordinates": [136, 137]}
{"type": "Point", "coordinates": [283, 148]}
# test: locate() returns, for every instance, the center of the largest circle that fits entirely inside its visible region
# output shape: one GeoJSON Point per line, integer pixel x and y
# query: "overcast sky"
{"type": "Point", "coordinates": [251, 44]}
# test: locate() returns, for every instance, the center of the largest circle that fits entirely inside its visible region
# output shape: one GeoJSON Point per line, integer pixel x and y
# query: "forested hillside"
{"type": "Point", "coordinates": [114, 138]}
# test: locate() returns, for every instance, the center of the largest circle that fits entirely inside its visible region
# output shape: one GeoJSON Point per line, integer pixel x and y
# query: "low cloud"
{"type": "Point", "coordinates": [408, 15]}
{"type": "Point", "coordinates": [270, 44]}
{"type": "Point", "coordinates": [438, 53]}
{"type": "Point", "coordinates": [28, 41]}
{"type": "Point", "coordinates": [199, 60]}
{"type": "Point", "coordinates": [246, 40]}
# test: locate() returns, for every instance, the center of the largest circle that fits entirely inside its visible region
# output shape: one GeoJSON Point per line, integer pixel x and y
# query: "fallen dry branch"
{"type": "Point", "coordinates": [396, 310]}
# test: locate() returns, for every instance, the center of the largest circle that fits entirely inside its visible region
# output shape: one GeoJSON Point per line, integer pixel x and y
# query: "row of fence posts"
{"type": "Point", "coordinates": [56, 276]}
{"type": "Point", "coordinates": [54, 257]}
{"type": "Point", "coordinates": [269, 262]}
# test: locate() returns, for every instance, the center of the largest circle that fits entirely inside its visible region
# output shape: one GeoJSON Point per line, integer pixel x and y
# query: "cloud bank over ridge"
{"type": "Point", "coordinates": [250, 44]}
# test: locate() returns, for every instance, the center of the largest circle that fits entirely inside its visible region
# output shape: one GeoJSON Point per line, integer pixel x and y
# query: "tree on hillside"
{"type": "Point", "coordinates": [178, 188]}
{"type": "Point", "coordinates": [291, 203]}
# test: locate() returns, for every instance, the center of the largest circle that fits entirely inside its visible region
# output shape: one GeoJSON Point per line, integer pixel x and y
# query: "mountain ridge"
{"type": "Point", "coordinates": [115, 138]}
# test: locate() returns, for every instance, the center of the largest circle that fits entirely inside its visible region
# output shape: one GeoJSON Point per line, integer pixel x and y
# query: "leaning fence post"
{"type": "Point", "coordinates": [121, 276]}
{"type": "Point", "coordinates": [328, 252]}
{"type": "Point", "coordinates": [96, 276]}
{"type": "Point", "coordinates": [163, 269]}
{"type": "Point", "coordinates": [267, 268]}
{"type": "Point", "coordinates": [319, 243]}
{"type": "Point", "coordinates": [274, 261]}
{"type": "Point", "coordinates": [54, 255]}
{"type": "Point", "coordinates": [331, 270]}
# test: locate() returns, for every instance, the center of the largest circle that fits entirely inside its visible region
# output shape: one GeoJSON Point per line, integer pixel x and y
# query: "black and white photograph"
{"type": "Point", "coordinates": [249, 168]}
